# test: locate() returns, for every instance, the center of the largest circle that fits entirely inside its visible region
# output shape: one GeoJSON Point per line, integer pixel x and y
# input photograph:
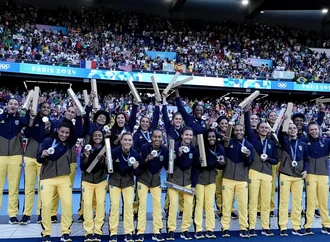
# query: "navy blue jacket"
{"type": "Point", "coordinates": [139, 139]}
{"type": "Point", "coordinates": [170, 129]}
{"type": "Point", "coordinates": [10, 133]}
{"type": "Point", "coordinates": [197, 125]}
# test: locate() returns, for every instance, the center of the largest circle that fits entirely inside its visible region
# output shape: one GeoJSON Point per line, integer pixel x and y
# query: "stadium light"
{"type": "Point", "coordinates": [325, 10]}
{"type": "Point", "coordinates": [245, 2]}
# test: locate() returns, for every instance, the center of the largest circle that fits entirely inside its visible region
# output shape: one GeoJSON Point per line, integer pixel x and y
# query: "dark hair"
{"type": "Point", "coordinates": [70, 127]}
{"type": "Point", "coordinates": [270, 113]}
{"type": "Point", "coordinates": [313, 123]}
{"type": "Point", "coordinates": [196, 105]}
{"type": "Point", "coordinates": [185, 129]}
{"type": "Point", "coordinates": [222, 118]}
{"type": "Point", "coordinates": [91, 141]}
{"type": "Point", "coordinates": [261, 122]}
{"type": "Point", "coordinates": [126, 133]}
{"type": "Point", "coordinates": [239, 125]}
{"type": "Point", "coordinates": [98, 113]}
{"type": "Point", "coordinates": [176, 114]}
{"type": "Point", "coordinates": [40, 105]}
{"type": "Point", "coordinates": [206, 137]}
{"type": "Point", "coordinates": [298, 115]}
{"type": "Point", "coordinates": [158, 130]}
{"type": "Point", "coordinates": [115, 125]}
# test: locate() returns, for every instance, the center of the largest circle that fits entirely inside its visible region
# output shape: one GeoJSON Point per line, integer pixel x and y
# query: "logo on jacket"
{"type": "Point", "coordinates": [269, 146]}
{"type": "Point", "coordinates": [17, 122]}
{"type": "Point", "coordinates": [190, 155]}
{"type": "Point", "coordinates": [37, 125]}
{"type": "Point", "coordinates": [117, 160]}
{"type": "Point", "coordinates": [300, 147]}
{"type": "Point", "coordinates": [309, 143]}
{"type": "Point", "coordinates": [3, 121]}
{"type": "Point", "coordinates": [161, 158]}
{"type": "Point", "coordinates": [231, 146]}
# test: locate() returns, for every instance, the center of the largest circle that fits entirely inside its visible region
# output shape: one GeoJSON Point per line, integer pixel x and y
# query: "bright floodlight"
{"type": "Point", "coordinates": [325, 10]}
{"type": "Point", "coordinates": [245, 2]}
{"type": "Point", "coordinates": [262, 12]}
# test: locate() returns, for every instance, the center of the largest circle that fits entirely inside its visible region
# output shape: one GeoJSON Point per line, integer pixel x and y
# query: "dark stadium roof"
{"type": "Point", "coordinates": [298, 13]}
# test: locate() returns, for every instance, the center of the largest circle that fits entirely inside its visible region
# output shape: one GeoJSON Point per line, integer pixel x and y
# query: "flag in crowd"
{"type": "Point", "coordinates": [127, 68]}
{"type": "Point", "coordinates": [88, 64]}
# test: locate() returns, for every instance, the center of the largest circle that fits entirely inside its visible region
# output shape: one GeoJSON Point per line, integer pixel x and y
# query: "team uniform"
{"type": "Point", "coordinates": [317, 182]}
{"type": "Point", "coordinates": [149, 180]}
{"type": "Point", "coordinates": [54, 176]}
{"type": "Point", "coordinates": [205, 191]}
{"type": "Point", "coordinates": [185, 175]}
{"type": "Point", "coordinates": [291, 181]}
{"type": "Point", "coordinates": [121, 182]}
{"type": "Point", "coordinates": [260, 178]}
{"type": "Point", "coordinates": [94, 187]}
{"type": "Point", "coordinates": [235, 180]}
{"type": "Point", "coordinates": [11, 158]}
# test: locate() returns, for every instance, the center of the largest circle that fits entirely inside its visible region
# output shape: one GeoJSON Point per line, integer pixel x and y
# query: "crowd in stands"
{"type": "Point", "coordinates": [116, 39]}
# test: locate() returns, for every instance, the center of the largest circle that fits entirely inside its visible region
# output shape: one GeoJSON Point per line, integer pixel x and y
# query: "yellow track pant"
{"type": "Point", "coordinates": [167, 201]}
{"type": "Point", "coordinates": [31, 175]}
{"type": "Point", "coordinates": [259, 183]}
{"type": "Point", "coordinates": [205, 198]}
{"type": "Point", "coordinates": [73, 168]}
{"type": "Point", "coordinates": [128, 196]}
{"type": "Point", "coordinates": [229, 188]}
{"type": "Point", "coordinates": [62, 185]}
{"type": "Point", "coordinates": [156, 195]}
{"type": "Point", "coordinates": [317, 188]}
{"type": "Point", "coordinates": [173, 209]}
{"type": "Point", "coordinates": [90, 192]}
{"type": "Point", "coordinates": [287, 184]}
{"type": "Point", "coordinates": [11, 165]}
{"type": "Point", "coordinates": [218, 193]}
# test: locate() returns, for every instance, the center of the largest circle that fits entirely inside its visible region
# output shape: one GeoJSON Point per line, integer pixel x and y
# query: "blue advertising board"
{"type": "Point", "coordinates": [74, 72]}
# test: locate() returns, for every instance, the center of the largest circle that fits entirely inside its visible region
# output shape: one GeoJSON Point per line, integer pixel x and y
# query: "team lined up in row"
{"type": "Point", "coordinates": [245, 168]}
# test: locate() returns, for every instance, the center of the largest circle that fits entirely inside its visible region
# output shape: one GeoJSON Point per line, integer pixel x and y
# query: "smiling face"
{"type": "Point", "coordinates": [314, 131]}
{"type": "Point", "coordinates": [177, 121]}
{"type": "Point", "coordinates": [157, 138]}
{"type": "Point", "coordinates": [263, 129]}
{"type": "Point", "coordinates": [97, 137]}
{"type": "Point", "coordinates": [126, 142]}
{"type": "Point", "coordinates": [254, 119]}
{"type": "Point", "coordinates": [120, 120]}
{"type": "Point", "coordinates": [70, 113]}
{"type": "Point", "coordinates": [293, 131]}
{"type": "Point", "coordinates": [198, 112]}
{"type": "Point", "coordinates": [223, 125]}
{"type": "Point", "coordinates": [63, 133]}
{"type": "Point", "coordinates": [144, 123]}
{"type": "Point", "coordinates": [45, 109]}
{"type": "Point", "coordinates": [239, 131]}
{"type": "Point", "coordinates": [187, 136]}
{"type": "Point", "coordinates": [299, 122]}
{"type": "Point", "coordinates": [101, 119]}
{"type": "Point", "coordinates": [12, 106]}
{"type": "Point", "coordinates": [211, 137]}
{"type": "Point", "coordinates": [272, 117]}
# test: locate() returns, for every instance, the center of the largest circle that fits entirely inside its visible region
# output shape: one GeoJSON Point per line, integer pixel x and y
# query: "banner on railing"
{"type": "Point", "coordinates": [261, 62]}
{"type": "Point", "coordinates": [161, 55]}
{"type": "Point", "coordinates": [138, 76]}
{"type": "Point", "coordinates": [42, 27]}
{"type": "Point", "coordinates": [283, 75]}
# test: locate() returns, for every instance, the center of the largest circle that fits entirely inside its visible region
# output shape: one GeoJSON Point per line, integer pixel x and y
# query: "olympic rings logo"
{"type": "Point", "coordinates": [4, 66]}
{"type": "Point", "coordinates": [282, 85]}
